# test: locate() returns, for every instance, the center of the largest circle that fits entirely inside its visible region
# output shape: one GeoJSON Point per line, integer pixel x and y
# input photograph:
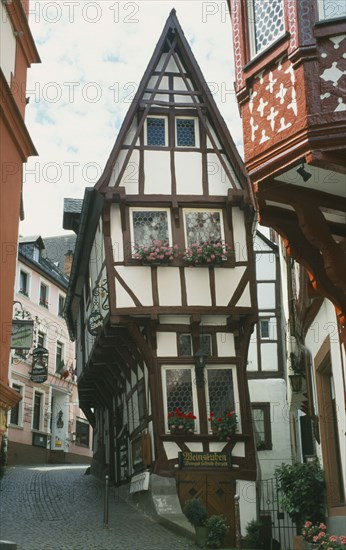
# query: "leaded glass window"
{"type": "Point", "coordinates": [203, 226]}
{"type": "Point", "coordinates": [156, 134]}
{"type": "Point", "coordinates": [149, 225]}
{"type": "Point", "coordinates": [331, 9]}
{"type": "Point", "coordinates": [179, 390]}
{"type": "Point", "coordinates": [185, 344]}
{"type": "Point", "coordinates": [220, 390]}
{"type": "Point", "coordinates": [269, 22]}
{"type": "Point", "coordinates": [185, 132]}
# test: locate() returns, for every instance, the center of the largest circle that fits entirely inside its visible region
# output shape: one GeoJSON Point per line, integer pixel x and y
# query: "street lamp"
{"type": "Point", "coordinates": [200, 359]}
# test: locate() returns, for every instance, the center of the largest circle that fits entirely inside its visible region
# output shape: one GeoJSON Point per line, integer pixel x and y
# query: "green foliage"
{"type": "Point", "coordinates": [304, 490]}
{"type": "Point", "coordinates": [253, 531]}
{"type": "Point", "coordinates": [217, 530]}
{"type": "Point", "coordinates": [196, 512]}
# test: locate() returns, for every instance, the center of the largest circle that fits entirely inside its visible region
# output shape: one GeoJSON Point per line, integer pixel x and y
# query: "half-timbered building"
{"type": "Point", "coordinates": [290, 82]}
{"type": "Point", "coordinates": [162, 295]}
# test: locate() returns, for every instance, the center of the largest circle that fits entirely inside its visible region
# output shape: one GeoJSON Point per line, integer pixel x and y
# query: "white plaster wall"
{"type": "Point", "coordinates": [252, 357]}
{"type": "Point", "coordinates": [130, 176]}
{"type": "Point", "coordinates": [325, 324]}
{"type": "Point", "coordinates": [138, 279]}
{"type": "Point", "coordinates": [259, 243]}
{"type": "Point", "coordinates": [269, 356]}
{"type": "Point", "coordinates": [218, 180]}
{"type": "Point", "coordinates": [174, 319]}
{"type": "Point", "coordinates": [167, 344]}
{"type": "Point", "coordinates": [168, 282]}
{"type": "Point", "coordinates": [179, 84]}
{"type": "Point", "coordinates": [116, 234]}
{"type": "Point", "coordinates": [157, 172]}
{"type": "Point", "coordinates": [239, 449]}
{"type": "Point", "coordinates": [214, 320]}
{"type": "Point", "coordinates": [225, 344]}
{"type": "Point", "coordinates": [265, 266]}
{"type": "Point", "coordinates": [215, 137]}
{"type": "Point", "coordinates": [198, 287]}
{"type": "Point", "coordinates": [226, 282]}
{"type": "Point", "coordinates": [188, 171]}
{"type": "Point", "coordinates": [7, 44]}
{"type": "Point", "coordinates": [171, 66]}
{"type": "Point", "coordinates": [273, 391]}
{"type": "Point", "coordinates": [131, 132]}
{"type": "Point", "coordinates": [239, 235]}
{"type": "Point", "coordinates": [245, 298]}
{"type": "Point", "coordinates": [171, 449]}
{"type": "Point", "coordinates": [247, 503]}
{"type": "Point", "coordinates": [266, 295]}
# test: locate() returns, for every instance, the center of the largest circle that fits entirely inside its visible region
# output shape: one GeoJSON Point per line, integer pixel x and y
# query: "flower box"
{"type": "Point", "coordinates": [223, 426]}
{"type": "Point", "coordinates": [158, 253]}
{"type": "Point", "coordinates": [206, 254]}
{"type": "Point", "coordinates": [181, 423]}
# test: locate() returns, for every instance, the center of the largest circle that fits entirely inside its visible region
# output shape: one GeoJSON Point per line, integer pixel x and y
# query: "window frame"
{"type": "Point", "coordinates": [191, 368]}
{"type": "Point", "coordinates": [265, 407]}
{"type": "Point", "coordinates": [252, 30]}
{"type": "Point", "coordinates": [20, 290]}
{"type": "Point", "coordinates": [219, 210]}
{"type": "Point", "coordinates": [82, 422]}
{"type": "Point", "coordinates": [196, 132]}
{"type": "Point", "coordinates": [40, 419]}
{"type": "Point", "coordinates": [179, 334]}
{"type": "Point", "coordinates": [44, 302]}
{"type": "Point", "coordinates": [149, 209]}
{"type": "Point", "coordinates": [233, 369]}
{"type": "Point", "coordinates": [62, 298]}
{"type": "Point", "coordinates": [59, 345]}
{"type": "Point", "coordinates": [166, 135]}
{"type": "Point", "coordinates": [18, 406]}
{"type": "Point", "coordinates": [266, 319]}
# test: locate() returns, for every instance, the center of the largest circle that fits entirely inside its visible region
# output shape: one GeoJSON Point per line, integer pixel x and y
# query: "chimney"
{"type": "Point", "coordinates": [68, 263]}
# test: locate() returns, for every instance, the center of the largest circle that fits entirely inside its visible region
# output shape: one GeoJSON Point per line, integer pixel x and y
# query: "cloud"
{"type": "Point", "coordinates": [93, 57]}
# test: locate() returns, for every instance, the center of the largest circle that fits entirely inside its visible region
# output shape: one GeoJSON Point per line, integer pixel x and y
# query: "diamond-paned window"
{"type": "Point", "coordinates": [220, 390]}
{"type": "Point", "coordinates": [149, 225]}
{"type": "Point", "coordinates": [156, 134]}
{"type": "Point", "coordinates": [185, 132]}
{"type": "Point", "coordinates": [185, 344]}
{"type": "Point", "coordinates": [203, 226]}
{"type": "Point", "coordinates": [179, 390]}
{"type": "Point", "coordinates": [269, 22]}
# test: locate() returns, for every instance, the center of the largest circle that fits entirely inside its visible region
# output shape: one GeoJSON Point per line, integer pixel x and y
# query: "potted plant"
{"type": "Point", "coordinates": [158, 253]}
{"type": "Point", "coordinates": [197, 515]}
{"type": "Point", "coordinates": [253, 537]}
{"type": "Point", "coordinates": [207, 253]}
{"type": "Point", "coordinates": [315, 537]}
{"type": "Point", "coordinates": [181, 423]}
{"type": "Point", "coordinates": [223, 426]}
{"type": "Point", "coordinates": [303, 488]}
{"type": "Point", "coordinates": [217, 530]}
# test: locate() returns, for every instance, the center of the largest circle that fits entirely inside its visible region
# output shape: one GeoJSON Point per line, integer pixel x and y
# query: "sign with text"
{"type": "Point", "coordinates": [189, 459]}
{"type": "Point", "coordinates": [22, 332]}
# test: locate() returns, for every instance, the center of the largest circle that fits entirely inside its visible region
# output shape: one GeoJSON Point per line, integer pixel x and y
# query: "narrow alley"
{"type": "Point", "coordinates": [59, 507]}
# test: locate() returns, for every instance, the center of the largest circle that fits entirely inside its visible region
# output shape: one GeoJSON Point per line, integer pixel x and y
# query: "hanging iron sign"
{"type": "Point", "coordinates": [95, 323]}
{"type": "Point", "coordinates": [39, 369]}
{"type": "Point", "coordinates": [95, 320]}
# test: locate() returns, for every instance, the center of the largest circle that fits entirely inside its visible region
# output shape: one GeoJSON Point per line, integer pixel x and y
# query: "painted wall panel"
{"type": "Point", "coordinates": [167, 344]}
{"type": "Point", "coordinates": [245, 298]}
{"type": "Point", "coordinates": [198, 287]}
{"type": "Point", "coordinates": [157, 173]}
{"type": "Point", "coordinates": [169, 286]}
{"type": "Point", "coordinates": [269, 355]}
{"type": "Point", "coordinates": [131, 133]}
{"type": "Point", "coordinates": [226, 282]}
{"type": "Point", "coordinates": [174, 319]}
{"type": "Point", "coordinates": [265, 266]}
{"type": "Point", "coordinates": [138, 280]}
{"type": "Point", "coordinates": [218, 180]}
{"type": "Point", "coordinates": [252, 355]}
{"type": "Point", "coordinates": [188, 171]}
{"type": "Point", "coordinates": [266, 295]}
{"type": "Point", "coordinates": [225, 344]}
{"type": "Point", "coordinates": [117, 234]}
{"type": "Point", "coordinates": [171, 66]}
{"type": "Point", "coordinates": [239, 235]}
{"type": "Point", "coordinates": [123, 299]}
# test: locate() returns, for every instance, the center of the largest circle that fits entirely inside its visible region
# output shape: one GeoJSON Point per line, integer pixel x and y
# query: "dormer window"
{"type": "Point", "coordinates": [266, 23]}
{"type": "Point", "coordinates": [185, 132]}
{"type": "Point", "coordinates": [156, 131]}
{"type": "Point", "coordinates": [36, 254]}
{"type": "Point", "coordinates": [148, 225]}
{"type": "Point", "coordinates": [331, 9]}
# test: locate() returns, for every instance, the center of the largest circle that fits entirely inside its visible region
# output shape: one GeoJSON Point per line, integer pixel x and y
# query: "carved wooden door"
{"type": "Point", "coordinates": [216, 490]}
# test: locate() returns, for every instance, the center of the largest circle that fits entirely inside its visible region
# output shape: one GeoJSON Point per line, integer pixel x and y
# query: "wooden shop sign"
{"type": "Point", "coordinates": [189, 459]}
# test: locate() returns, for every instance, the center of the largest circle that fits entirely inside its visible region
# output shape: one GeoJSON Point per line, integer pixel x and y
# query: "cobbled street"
{"type": "Point", "coordinates": [59, 507]}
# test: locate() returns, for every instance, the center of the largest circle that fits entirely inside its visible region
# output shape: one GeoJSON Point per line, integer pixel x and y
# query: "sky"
{"type": "Point", "coordinates": [93, 56]}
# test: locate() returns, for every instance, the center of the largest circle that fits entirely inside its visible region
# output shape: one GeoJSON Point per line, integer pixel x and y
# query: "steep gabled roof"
{"type": "Point", "coordinates": [174, 44]}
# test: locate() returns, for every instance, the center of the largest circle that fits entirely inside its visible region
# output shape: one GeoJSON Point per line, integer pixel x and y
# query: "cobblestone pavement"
{"type": "Point", "coordinates": [60, 508]}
